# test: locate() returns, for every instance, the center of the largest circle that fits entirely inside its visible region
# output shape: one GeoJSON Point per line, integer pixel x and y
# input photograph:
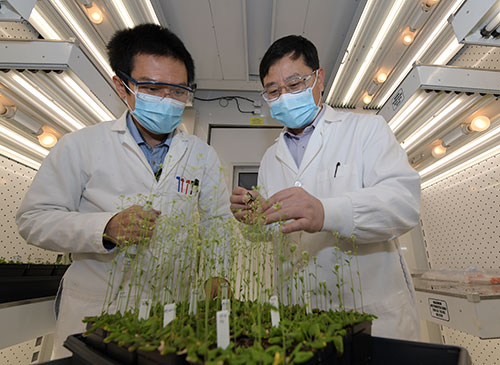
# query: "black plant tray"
{"type": "Point", "coordinates": [383, 351]}
{"type": "Point", "coordinates": [357, 350]}
{"type": "Point", "coordinates": [28, 281]}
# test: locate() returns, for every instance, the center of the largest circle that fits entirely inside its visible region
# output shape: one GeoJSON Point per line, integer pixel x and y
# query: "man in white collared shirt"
{"type": "Point", "coordinates": [336, 172]}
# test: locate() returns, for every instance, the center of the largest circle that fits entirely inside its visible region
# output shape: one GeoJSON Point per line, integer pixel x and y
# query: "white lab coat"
{"type": "Point", "coordinates": [84, 181]}
{"type": "Point", "coordinates": [356, 168]}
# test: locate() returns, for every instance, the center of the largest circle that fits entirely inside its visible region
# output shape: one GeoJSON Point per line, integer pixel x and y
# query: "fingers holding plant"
{"type": "Point", "coordinates": [132, 225]}
{"type": "Point", "coordinates": [304, 211]}
{"type": "Point", "coordinates": [247, 205]}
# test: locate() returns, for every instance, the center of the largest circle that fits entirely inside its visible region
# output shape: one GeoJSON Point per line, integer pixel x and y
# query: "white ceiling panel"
{"type": "Point", "coordinates": [289, 17]}
{"type": "Point", "coordinates": [230, 31]}
{"type": "Point", "coordinates": [191, 20]}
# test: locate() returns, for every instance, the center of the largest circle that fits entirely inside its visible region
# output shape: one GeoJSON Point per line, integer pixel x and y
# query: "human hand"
{"type": "Point", "coordinates": [214, 287]}
{"type": "Point", "coordinates": [246, 204]}
{"type": "Point", "coordinates": [131, 226]}
{"type": "Point", "coordinates": [296, 204]}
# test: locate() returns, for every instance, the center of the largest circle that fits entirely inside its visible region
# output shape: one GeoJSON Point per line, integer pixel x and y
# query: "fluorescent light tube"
{"type": "Point", "coordinates": [16, 156]}
{"type": "Point", "coordinates": [72, 124]}
{"type": "Point", "coordinates": [152, 11]}
{"type": "Point", "coordinates": [396, 122]}
{"type": "Point", "coordinates": [42, 26]}
{"type": "Point", "coordinates": [417, 135]}
{"type": "Point", "coordinates": [83, 36]}
{"type": "Point", "coordinates": [101, 113]}
{"type": "Point", "coordinates": [122, 11]}
{"type": "Point", "coordinates": [23, 142]}
{"type": "Point", "coordinates": [361, 24]}
{"type": "Point", "coordinates": [435, 33]}
{"type": "Point", "coordinates": [478, 142]}
{"type": "Point", "coordinates": [382, 34]}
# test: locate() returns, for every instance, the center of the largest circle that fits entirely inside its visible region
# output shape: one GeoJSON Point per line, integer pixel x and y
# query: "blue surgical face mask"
{"type": "Point", "coordinates": [295, 110]}
{"type": "Point", "coordinates": [158, 115]}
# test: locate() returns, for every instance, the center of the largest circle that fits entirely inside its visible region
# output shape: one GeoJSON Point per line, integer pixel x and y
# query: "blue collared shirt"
{"type": "Point", "coordinates": [155, 155]}
{"type": "Point", "coordinates": [297, 144]}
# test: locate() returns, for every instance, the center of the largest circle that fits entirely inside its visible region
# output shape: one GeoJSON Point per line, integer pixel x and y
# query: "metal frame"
{"type": "Point", "coordinates": [59, 55]}
{"type": "Point", "coordinates": [471, 18]}
{"type": "Point", "coordinates": [446, 78]}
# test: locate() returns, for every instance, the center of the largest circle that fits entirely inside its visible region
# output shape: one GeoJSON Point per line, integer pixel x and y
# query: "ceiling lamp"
{"type": "Point", "coordinates": [367, 99]}
{"type": "Point", "coordinates": [438, 151]}
{"type": "Point", "coordinates": [479, 124]}
{"type": "Point", "coordinates": [48, 138]}
{"type": "Point", "coordinates": [428, 4]}
{"type": "Point", "coordinates": [381, 78]}
{"type": "Point", "coordinates": [93, 12]}
{"type": "Point", "coordinates": [408, 37]}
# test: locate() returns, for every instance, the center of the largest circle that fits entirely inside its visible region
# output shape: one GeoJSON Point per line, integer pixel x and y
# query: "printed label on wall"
{"type": "Point", "coordinates": [439, 309]}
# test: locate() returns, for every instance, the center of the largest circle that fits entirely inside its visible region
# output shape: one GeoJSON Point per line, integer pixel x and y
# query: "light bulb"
{"type": "Point", "coordinates": [429, 3]}
{"type": "Point", "coordinates": [438, 151]}
{"type": "Point", "coordinates": [367, 99]}
{"type": "Point", "coordinates": [408, 38]}
{"type": "Point", "coordinates": [381, 77]}
{"type": "Point", "coordinates": [479, 124]}
{"type": "Point", "coordinates": [95, 14]}
{"type": "Point", "coordinates": [47, 139]}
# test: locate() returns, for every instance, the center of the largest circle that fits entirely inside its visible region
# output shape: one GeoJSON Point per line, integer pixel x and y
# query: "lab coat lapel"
{"type": "Point", "coordinates": [283, 154]}
{"type": "Point", "coordinates": [175, 152]}
{"type": "Point", "coordinates": [313, 147]}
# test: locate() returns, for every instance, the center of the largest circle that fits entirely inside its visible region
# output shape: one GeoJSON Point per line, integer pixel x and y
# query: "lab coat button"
{"type": "Point", "coordinates": [298, 183]}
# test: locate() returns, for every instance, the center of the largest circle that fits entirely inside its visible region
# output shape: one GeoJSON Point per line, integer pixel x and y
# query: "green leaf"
{"type": "Point", "coordinates": [302, 357]}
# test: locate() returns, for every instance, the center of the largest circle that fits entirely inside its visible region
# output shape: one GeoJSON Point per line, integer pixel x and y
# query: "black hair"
{"type": "Point", "coordinates": [149, 39]}
{"type": "Point", "coordinates": [294, 45]}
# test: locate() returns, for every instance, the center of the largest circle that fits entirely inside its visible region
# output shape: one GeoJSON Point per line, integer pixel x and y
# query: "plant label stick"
{"type": "Point", "coordinates": [168, 313]}
{"type": "Point", "coordinates": [226, 305]}
{"type": "Point", "coordinates": [308, 302]}
{"type": "Point", "coordinates": [275, 314]}
{"type": "Point", "coordinates": [193, 301]}
{"type": "Point", "coordinates": [144, 309]}
{"type": "Point", "coordinates": [223, 329]}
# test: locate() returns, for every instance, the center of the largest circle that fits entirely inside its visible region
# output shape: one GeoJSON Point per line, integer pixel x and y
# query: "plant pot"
{"type": "Point", "coordinates": [96, 339]}
{"type": "Point", "coordinates": [16, 288]}
{"type": "Point", "coordinates": [121, 354]}
{"type": "Point", "coordinates": [59, 269]}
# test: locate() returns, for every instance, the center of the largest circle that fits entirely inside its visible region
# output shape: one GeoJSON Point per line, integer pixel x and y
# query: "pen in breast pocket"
{"type": "Point", "coordinates": [336, 169]}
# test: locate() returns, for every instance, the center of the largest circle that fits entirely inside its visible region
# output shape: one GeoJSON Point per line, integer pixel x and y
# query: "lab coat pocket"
{"type": "Point", "coordinates": [336, 179]}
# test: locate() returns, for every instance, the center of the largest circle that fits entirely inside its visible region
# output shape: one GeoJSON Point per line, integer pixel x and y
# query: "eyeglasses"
{"type": "Point", "coordinates": [293, 86]}
{"type": "Point", "coordinates": [159, 89]}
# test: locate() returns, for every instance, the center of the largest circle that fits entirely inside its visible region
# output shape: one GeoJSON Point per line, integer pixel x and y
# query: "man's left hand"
{"type": "Point", "coordinates": [296, 204]}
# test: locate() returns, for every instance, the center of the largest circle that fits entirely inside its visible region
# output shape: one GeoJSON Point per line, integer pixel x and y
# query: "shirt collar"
{"type": "Point", "coordinates": [138, 136]}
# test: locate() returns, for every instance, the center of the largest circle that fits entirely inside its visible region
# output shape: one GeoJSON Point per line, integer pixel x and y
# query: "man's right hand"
{"type": "Point", "coordinates": [131, 226]}
{"type": "Point", "coordinates": [246, 205]}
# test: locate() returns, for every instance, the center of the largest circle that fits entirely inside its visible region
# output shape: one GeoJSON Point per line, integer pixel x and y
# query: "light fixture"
{"type": "Point", "coordinates": [401, 118]}
{"type": "Point", "coordinates": [23, 142]}
{"type": "Point", "coordinates": [477, 22]}
{"type": "Point", "coordinates": [48, 138]}
{"type": "Point", "coordinates": [461, 155]}
{"type": "Point", "coordinates": [83, 36]}
{"type": "Point", "coordinates": [479, 124]}
{"type": "Point", "coordinates": [428, 4]}
{"type": "Point", "coordinates": [94, 13]}
{"type": "Point", "coordinates": [152, 12]}
{"type": "Point", "coordinates": [19, 157]}
{"type": "Point", "coordinates": [352, 44]}
{"type": "Point", "coordinates": [381, 35]}
{"type": "Point", "coordinates": [408, 37]}
{"type": "Point", "coordinates": [367, 99]}
{"type": "Point", "coordinates": [69, 122]}
{"type": "Point", "coordinates": [42, 26]}
{"type": "Point", "coordinates": [381, 77]}
{"type": "Point", "coordinates": [438, 29]}
{"type": "Point", "coordinates": [438, 151]}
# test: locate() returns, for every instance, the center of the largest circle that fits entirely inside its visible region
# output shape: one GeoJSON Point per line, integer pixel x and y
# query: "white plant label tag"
{"type": "Point", "coordinates": [168, 313]}
{"type": "Point", "coordinates": [275, 315]}
{"type": "Point", "coordinates": [193, 301]}
{"type": "Point", "coordinates": [223, 329]}
{"type": "Point", "coordinates": [226, 305]}
{"type": "Point", "coordinates": [308, 302]}
{"type": "Point", "coordinates": [144, 309]}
